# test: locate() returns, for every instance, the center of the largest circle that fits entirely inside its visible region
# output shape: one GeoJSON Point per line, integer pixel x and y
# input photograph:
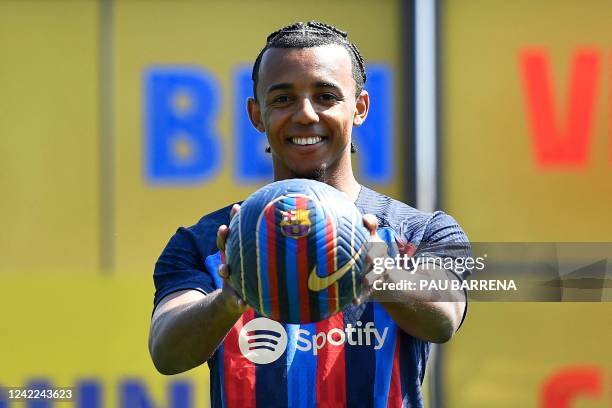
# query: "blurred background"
{"type": "Point", "coordinates": [122, 120]}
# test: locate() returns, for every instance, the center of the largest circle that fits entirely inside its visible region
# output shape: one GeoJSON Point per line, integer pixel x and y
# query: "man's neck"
{"type": "Point", "coordinates": [347, 185]}
{"type": "Point", "coordinates": [342, 180]}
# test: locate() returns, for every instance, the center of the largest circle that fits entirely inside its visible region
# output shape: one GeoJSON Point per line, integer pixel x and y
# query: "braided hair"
{"type": "Point", "coordinates": [312, 34]}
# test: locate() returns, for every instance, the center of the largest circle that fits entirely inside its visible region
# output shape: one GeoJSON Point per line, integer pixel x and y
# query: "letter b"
{"type": "Point", "coordinates": [182, 146]}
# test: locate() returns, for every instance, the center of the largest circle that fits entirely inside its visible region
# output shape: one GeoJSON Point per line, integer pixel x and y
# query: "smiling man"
{"type": "Point", "coordinates": [308, 95]}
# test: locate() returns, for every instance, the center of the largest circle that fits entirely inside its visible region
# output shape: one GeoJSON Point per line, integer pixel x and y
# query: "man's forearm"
{"type": "Point", "coordinates": [430, 321]}
{"type": "Point", "coordinates": [430, 316]}
{"type": "Point", "coordinates": [186, 336]}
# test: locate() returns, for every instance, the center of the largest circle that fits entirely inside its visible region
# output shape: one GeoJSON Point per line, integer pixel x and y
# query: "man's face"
{"type": "Point", "coordinates": [307, 107]}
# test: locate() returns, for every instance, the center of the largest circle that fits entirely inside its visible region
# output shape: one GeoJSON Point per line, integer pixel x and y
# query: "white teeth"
{"type": "Point", "coordinates": [305, 141]}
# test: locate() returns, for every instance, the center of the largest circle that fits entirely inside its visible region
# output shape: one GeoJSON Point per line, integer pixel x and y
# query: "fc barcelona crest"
{"type": "Point", "coordinates": [295, 223]}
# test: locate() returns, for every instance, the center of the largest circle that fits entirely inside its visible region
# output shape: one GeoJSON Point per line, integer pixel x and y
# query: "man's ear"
{"type": "Point", "coordinates": [362, 108]}
{"type": "Point", "coordinates": [255, 114]}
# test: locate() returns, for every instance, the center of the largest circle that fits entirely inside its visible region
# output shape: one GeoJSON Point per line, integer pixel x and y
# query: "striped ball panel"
{"type": "Point", "coordinates": [297, 250]}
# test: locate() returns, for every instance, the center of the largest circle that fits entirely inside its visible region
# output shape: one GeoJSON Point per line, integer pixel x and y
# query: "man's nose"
{"type": "Point", "coordinates": [305, 112]}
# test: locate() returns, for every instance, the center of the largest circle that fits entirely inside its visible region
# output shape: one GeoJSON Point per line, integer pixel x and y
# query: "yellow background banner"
{"type": "Point", "coordinates": [494, 184]}
{"type": "Point", "coordinates": [65, 321]}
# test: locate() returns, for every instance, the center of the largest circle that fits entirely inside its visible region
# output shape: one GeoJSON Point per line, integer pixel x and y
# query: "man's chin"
{"type": "Point", "coordinates": [318, 174]}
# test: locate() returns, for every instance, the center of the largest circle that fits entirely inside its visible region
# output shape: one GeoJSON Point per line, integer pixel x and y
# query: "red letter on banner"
{"type": "Point", "coordinates": [565, 386]}
{"type": "Point", "coordinates": [560, 142]}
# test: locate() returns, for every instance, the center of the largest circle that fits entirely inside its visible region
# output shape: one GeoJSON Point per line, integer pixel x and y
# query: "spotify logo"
{"type": "Point", "coordinates": [262, 340]}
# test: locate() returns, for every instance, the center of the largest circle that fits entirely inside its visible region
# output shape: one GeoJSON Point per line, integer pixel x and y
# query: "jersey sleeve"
{"type": "Point", "coordinates": [181, 266]}
{"type": "Point", "coordinates": [443, 237]}
{"type": "Point", "coordinates": [441, 227]}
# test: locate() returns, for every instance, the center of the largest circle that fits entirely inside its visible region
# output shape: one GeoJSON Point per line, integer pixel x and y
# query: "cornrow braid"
{"type": "Point", "coordinates": [312, 34]}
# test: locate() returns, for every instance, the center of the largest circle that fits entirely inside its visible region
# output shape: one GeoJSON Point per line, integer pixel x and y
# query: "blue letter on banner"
{"type": "Point", "coordinates": [133, 394]}
{"type": "Point", "coordinates": [374, 138]}
{"type": "Point", "coordinates": [39, 384]}
{"type": "Point", "coordinates": [181, 107]}
{"type": "Point", "coordinates": [89, 394]}
{"type": "Point", "coordinates": [252, 163]}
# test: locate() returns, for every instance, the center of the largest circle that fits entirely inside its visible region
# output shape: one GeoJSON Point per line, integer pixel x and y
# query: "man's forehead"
{"type": "Point", "coordinates": [330, 59]}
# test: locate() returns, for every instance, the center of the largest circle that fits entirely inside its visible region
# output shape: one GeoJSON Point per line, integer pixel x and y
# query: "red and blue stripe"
{"type": "Point", "coordinates": [275, 250]}
{"type": "Point", "coordinates": [303, 268]}
{"type": "Point", "coordinates": [331, 373]}
{"type": "Point", "coordinates": [238, 374]}
{"type": "Point", "coordinates": [301, 368]}
{"type": "Point", "coordinates": [291, 270]}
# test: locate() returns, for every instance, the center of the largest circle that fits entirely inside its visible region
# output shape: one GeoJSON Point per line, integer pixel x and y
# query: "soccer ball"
{"type": "Point", "coordinates": [296, 251]}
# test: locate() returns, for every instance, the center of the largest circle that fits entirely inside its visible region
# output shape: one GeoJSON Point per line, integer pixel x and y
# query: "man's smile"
{"type": "Point", "coordinates": [306, 141]}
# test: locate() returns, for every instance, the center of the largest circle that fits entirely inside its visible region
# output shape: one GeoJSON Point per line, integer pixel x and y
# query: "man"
{"type": "Point", "coordinates": [307, 96]}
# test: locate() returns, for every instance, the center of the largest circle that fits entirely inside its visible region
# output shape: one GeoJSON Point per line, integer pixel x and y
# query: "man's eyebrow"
{"type": "Point", "coordinates": [285, 86]}
{"type": "Point", "coordinates": [276, 87]}
{"type": "Point", "coordinates": [328, 85]}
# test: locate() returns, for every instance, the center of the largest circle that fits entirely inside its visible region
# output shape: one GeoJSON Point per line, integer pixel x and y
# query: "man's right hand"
{"type": "Point", "coordinates": [232, 299]}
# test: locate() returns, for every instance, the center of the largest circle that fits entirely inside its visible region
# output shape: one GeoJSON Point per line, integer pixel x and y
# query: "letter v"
{"type": "Point", "coordinates": [553, 144]}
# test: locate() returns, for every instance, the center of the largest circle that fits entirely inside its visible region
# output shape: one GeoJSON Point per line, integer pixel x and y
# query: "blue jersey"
{"type": "Point", "coordinates": [358, 357]}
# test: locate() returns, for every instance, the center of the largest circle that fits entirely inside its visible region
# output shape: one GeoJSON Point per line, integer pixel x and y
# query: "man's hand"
{"type": "Point", "coordinates": [377, 248]}
{"type": "Point", "coordinates": [232, 300]}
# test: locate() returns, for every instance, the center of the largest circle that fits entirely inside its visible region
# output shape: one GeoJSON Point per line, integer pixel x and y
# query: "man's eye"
{"type": "Point", "coordinates": [281, 99]}
{"type": "Point", "coordinates": [328, 97]}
